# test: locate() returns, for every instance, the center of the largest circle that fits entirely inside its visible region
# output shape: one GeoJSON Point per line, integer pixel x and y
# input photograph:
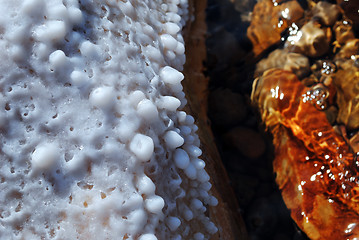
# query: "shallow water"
{"type": "Point", "coordinates": [246, 149]}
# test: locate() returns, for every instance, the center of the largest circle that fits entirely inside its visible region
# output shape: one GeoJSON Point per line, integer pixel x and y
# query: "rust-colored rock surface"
{"type": "Point", "coordinates": [315, 167]}
{"type": "Point", "coordinates": [269, 20]}
{"type": "Point", "coordinates": [347, 83]}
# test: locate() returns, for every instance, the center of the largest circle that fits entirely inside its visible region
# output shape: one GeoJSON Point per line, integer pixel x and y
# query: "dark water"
{"type": "Point", "coordinates": [246, 149]}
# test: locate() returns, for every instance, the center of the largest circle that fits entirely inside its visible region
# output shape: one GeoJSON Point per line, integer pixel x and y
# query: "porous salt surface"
{"type": "Point", "coordinates": [92, 142]}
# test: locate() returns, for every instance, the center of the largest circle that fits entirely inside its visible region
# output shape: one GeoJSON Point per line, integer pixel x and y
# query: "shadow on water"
{"type": "Point", "coordinates": [245, 148]}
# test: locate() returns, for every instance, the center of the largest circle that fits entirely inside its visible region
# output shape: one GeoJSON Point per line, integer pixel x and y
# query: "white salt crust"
{"type": "Point", "coordinates": [93, 142]}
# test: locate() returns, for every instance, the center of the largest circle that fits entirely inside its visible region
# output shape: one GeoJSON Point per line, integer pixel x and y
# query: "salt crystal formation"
{"type": "Point", "coordinates": [93, 144]}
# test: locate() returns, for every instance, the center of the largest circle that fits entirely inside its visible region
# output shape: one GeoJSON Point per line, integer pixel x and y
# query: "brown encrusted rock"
{"type": "Point", "coordinates": [350, 48]}
{"type": "Point", "coordinates": [281, 58]}
{"type": "Point", "coordinates": [269, 20]}
{"type": "Point", "coordinates": [351, 8]}
{"type": "Point", "coordinates": [343, 32]}
{"type": "Point", "coordinates": [328, 13]}
{"type": "Point", "coordinates": [313, 40]}
{"type": "Point", "coordinates": [347, 82]}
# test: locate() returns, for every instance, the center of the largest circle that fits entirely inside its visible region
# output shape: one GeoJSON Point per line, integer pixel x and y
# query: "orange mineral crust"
{"type": "Point", "coordinates": [316, 169]}
{"type": "Point", "coordinates": [269, 20]}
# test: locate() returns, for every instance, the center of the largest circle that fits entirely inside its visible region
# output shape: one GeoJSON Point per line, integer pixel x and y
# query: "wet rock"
{"type": "Point", "coordinates": [343, 31]}
{"type": "Point", "coordinates": [332, 113]}
{"type": "Point", "coordinates": [310, 80]}
{"type": "Point", "coordinates": [346, 81]}
{"type": "Point", "coordinates": [323, 68]}
{"type": "Point", "coordinates": [348, 50]}
{"type": "Point", "coordinates": [269, 19]}
{"type": "Point", "coordinates": [327, 13]}
{"type": "Point", "coordinates": [244, 7]}
{"type": "Point", "coordinates": [275, 59]}
{"type": "Point", "coordinates": [351, 8]}
{"type": "Point", "coordinates": [280, 58]}
{"type": "Point", "coordinates": [354, 142]}
{"type": "Point", "coordinates": [247, 141]}
{"type": "Point", "coordinates": [298, 64]}
{"type": "Point", "coordinates": [226, 108]}
{"type": "Point", "coordinates": [351, 137]}
{"type": "Point", "coordinates": [312, 40]}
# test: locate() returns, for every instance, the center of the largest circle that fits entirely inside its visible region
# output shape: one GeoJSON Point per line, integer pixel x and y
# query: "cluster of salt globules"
{"type": "Point", "coordinates": [93, 144]}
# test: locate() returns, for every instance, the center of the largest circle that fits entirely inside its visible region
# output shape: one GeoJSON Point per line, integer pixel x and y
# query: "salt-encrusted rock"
{"type": "Point", "coordinates": [93, 145]}
{"type": "Point", "coordinates": [225, 215]}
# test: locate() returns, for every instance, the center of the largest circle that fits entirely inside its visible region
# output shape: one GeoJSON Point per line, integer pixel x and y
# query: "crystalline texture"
{"type": "Point", "coordinates": [89, 99]}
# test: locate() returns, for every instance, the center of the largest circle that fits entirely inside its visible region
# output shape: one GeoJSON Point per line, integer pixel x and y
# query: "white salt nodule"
{"type": "Point", "coordinates": [188, 215]}
{"type": "Point", "coordinates": [196, 204]}
{"type": "Point", "coordinates": [173, 139]}
{"type": "Point", "coordinates": [173, 223]}
{"type": "Point", "coordinates": [32, 6]}
{"type": "Point", "coordinates": [191, 171]}
{"type": "Point", "coordinates": [202, 176]}
{"type": "Point", "coordinates": [75, 15]}
{"type": "Point", "coordinates": [185, 130]}
{"type": "Point", "coordinates": [169, 103]}
{"type": "Point", "coordinates": [172, 28]}
{"type": "Point", "coordinates": [147, 236]}
{"type": "Point", "coordinates": [154, 204]}
{"type": "Point", "coordinates": [145, 185]}
{"type": "Point", "coordinates": [169, 42]}
{"type": "Point", "coordinates": [44, 157]}
{"type": "Point", "coordinates": [171, 76]}
{"type": "Point", "coordinates": [89, 50]}
{"type": "Point", "coordinates": [148, 110]}
{"type": "Point", "coordinates": [138, 218]}
{"type": "Point", "coordinates": [57, 60]}
{"type": "Point", "coordinates": [194, 151]}
{"type": "Point", "coordinates": [142, 146]}
{"type": "Point", "coordinates": [199, 236]}
{"type": "Point", "coordinates": [136, 97]}
{"type": "Point", "coordinates": [213, 201]}
{"type": "Point", "coordinates": [181, 158]}
{"type": "Point", "coordinates": [181, 115]}
{"type": "Point", "coordinates": [103, 97]}
{"type": "Point", "coordinates": [78, 78]}
{"type": "Point", "coordinates": [56, 12]}
{"type": "Point", "coordinates": [90, 128]}
{"type": "Point", "coordinates": [53, 30]}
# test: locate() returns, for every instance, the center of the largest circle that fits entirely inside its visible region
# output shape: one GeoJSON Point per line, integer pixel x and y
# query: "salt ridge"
{"type": "Point", "coordinates": [93, 145]}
